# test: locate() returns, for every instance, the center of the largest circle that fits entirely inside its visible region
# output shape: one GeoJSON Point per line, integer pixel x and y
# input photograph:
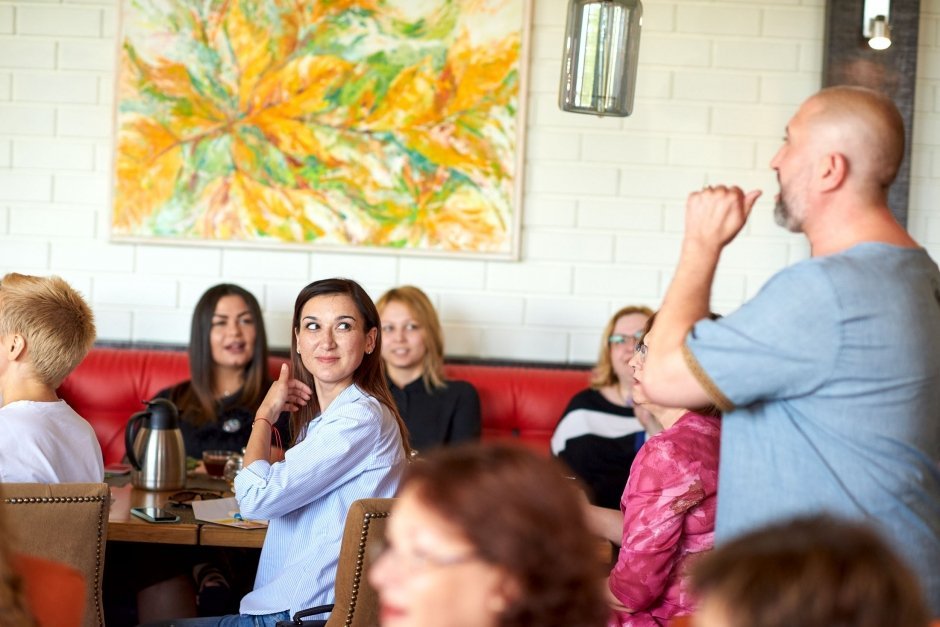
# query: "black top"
{"type": "Point", "coordinates": [598, 440]}
{"type": "Point", "coordinates": [229, 432]}
{"type": "Point", "coordinates": [446, 415]}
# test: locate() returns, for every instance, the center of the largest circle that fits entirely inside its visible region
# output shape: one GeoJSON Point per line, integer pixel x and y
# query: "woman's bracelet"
{"type": "Point", "coordinates": [277, 434]}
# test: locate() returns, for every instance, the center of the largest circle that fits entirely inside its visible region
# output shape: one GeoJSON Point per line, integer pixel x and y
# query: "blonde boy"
{"type": "Point", "coordinates": [46, 329]}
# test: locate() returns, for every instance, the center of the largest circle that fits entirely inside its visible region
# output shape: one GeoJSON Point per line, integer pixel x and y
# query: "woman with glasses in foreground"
{"type": "Point", "coordinates": [488, 536]}
{"type": "Point", "coordinates": [667, 512]}
{"type": "Point", "coordinates": [600, 432]}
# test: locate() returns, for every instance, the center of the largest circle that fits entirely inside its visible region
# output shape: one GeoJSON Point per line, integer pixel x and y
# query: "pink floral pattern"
{"type": "Point", "coordinates": [669, 517]}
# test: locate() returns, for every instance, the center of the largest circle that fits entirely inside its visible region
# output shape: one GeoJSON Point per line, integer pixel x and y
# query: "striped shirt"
{"type": "Point", "coordinates": [351, 451]}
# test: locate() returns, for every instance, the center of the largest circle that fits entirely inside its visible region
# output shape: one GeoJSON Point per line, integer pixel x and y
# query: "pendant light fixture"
{"type": "Point", "coordinates": [876, 23]}
{"type": "Point", "coordinates": [602, 45]}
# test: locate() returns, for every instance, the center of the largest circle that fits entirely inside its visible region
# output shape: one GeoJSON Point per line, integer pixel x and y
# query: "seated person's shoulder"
{"type": "Point", "coordinates": [174, 392]}
{"type": "Point", "coordinates": [37, 414]}
{"type": "Point", "coordinates": [47, 442]}
{"type": "Point", "coordinates": [584, 396]}
{"type": "Point", "coordinates": [459, 387]}
{"type": "Point", "coordinates": [590, 399]}
{"type": "Point", "coordinates": [355, 405]}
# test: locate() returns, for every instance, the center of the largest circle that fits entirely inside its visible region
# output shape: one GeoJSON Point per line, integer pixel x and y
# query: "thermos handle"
{"type": "Point", "coordinates": [130, 432]}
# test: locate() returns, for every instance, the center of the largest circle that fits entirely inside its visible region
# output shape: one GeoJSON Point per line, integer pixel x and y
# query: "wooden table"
{"type": "Point", "coordinates": [123, 527]}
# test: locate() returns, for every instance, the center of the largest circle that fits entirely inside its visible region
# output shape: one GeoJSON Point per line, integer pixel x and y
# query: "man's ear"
{"type": "Point", "coordinates": [833, 171]}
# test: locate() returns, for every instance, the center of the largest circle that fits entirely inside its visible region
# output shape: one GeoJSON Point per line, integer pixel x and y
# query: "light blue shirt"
{"type": "Point", "coordinates": [351, 451]}
{"type": "Point", "coordinates": [833, 371]}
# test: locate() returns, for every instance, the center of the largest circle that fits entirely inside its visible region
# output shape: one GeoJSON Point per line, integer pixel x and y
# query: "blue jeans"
{"type": "Point", "coordinates": [234, 620]}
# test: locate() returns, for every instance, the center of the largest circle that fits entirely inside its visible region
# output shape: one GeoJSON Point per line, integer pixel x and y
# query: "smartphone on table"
{"type": "Point", "coordinates": [155, 514]}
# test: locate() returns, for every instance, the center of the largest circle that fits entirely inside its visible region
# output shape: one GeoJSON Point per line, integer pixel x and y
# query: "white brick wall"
{"type": "Point", "coordinates": [602, 209]}
{"type": "Point", "coordinates": [59, 221]}
{"type": "Point", "coordinates": [24, 120]}
{"type": "Point", "coordinates": [84, 121]}
{"type": "Point", "coordinates": [57, 21]}
{"type": "Point", "coordinates": [26, 54]}
{"type": "Point", "coordinates": [924, 210]}
{"type": "Point", "coordinates": [55, 88]}
{"type": "Point", "coordinates": [6, 19]}
{"type": "Point", "coordinates": [86, 55]}
{"type": "Point", "coordinates": [185, 261]}
{"type": "Point", "coordinates": [50, 154]}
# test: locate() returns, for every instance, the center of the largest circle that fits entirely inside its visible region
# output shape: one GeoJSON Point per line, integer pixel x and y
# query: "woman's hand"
{"type": "Point", "coordinates": [286, 394]}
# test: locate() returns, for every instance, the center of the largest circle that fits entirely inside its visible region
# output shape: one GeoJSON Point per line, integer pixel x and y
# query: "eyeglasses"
{"type": "Point", "coordinates": [186, 497]}
{"type": "Point", "coordinates": [620, 338]}
{"type": "Point", "coordinates": [416, 561]}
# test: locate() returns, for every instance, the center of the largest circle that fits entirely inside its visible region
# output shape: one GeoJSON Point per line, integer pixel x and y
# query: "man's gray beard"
{"type": "Point", "coordinates": [783, 217]}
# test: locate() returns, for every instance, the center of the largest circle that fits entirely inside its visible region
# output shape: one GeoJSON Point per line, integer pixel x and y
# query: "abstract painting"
{"type": "Point", "coordinates": [375, 124]}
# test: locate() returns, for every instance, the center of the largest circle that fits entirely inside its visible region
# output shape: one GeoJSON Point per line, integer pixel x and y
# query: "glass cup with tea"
{"type": "Point", "coordinates": [214, 461]}
{"type": "Point", "coordinates": [233, 466]}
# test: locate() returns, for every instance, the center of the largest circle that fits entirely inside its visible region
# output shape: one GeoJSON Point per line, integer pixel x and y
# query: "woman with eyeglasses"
{"type": "Point", "coordinates": [436, 410]}
{"type": "Point", "coordinates": [667, 512]}
{"type": "Point", "coordinates": [600, 432]}
{"type": "Point", "coordinates": [487, 536]}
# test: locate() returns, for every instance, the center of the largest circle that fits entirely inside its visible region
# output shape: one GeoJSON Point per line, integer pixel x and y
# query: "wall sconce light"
{"type": "Point", "coordinates": [602, 45]}
{"type": "Point", "coordinates": [876, 24]}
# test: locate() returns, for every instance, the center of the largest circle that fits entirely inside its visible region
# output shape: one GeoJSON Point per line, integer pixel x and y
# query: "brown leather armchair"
{"type": "Point", "coordinates": [357, 603]}
{"type": "Point", "coordinates": [65, 522]}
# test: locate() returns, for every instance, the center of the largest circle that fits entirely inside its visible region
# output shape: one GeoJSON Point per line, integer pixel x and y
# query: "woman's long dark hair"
{"type": "Point", "coordinates": [198, 403]}
{"type": "Point", "coordinates": [369, 375]}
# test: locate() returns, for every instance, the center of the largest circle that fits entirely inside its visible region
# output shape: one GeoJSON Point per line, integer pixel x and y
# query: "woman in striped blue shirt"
{"type": "Point", "coordinates": [348, 443]}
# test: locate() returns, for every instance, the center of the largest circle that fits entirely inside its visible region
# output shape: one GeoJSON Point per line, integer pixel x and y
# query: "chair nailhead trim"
{"type": "Point", "coordinates": [360, 562]}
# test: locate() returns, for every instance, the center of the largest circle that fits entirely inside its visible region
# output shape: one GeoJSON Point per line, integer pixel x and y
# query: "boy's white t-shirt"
{"type": "Point", "coordinates": [47, 442]}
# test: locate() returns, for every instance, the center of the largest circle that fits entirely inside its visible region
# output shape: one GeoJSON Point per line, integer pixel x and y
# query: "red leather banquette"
{"type": "Point", "coordinates": [521, 403]}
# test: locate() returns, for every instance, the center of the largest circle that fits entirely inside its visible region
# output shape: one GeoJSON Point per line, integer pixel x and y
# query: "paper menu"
{"type": "Point", "coordinates": [224, 512]}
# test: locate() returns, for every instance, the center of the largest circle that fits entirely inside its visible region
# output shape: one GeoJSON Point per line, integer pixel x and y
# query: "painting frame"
{"type": "Point", "coordinates": [464, 171]}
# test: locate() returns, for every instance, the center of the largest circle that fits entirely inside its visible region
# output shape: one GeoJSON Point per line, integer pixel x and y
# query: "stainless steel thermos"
{"type": "Point", "coordinates": [155, 448]}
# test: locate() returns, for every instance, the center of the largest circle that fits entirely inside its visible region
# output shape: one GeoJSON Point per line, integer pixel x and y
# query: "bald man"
{"type": "Point", "coordinates": [830, 377]}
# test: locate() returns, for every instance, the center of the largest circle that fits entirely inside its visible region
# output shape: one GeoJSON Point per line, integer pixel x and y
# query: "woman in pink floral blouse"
{"type": "Point", "coordinates": [668, 512]}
